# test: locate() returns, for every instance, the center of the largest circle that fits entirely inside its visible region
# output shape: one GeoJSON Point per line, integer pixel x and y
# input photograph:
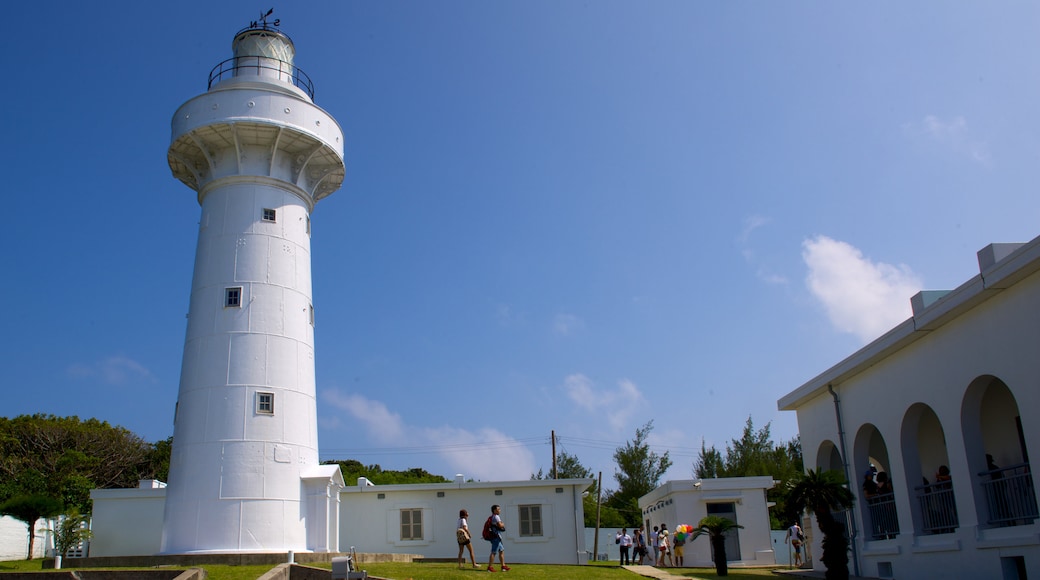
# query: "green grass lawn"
{"type": "Point", "coordinates": [593, 571]}
{"type": "Point", "coordinates": [450, 571]}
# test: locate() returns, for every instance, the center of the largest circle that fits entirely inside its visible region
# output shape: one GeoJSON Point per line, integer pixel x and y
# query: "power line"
{"type": "Point", "coordinates": [672, 450]}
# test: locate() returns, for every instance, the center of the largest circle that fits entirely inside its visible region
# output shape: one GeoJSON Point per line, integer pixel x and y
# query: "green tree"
{"type": "Point", "coordinates": [567, 467]}
{"type": "Point", "coordinates": [715, 527]}
{"type": "Point", "coordinates": [639, 471]}
{"type": "Point", "coordinates": [353, 469]}
{"type": "Point", "coordinates": [159, 459]}
{"type": "Point", "coordinates": [710, 464]}
{"type": "Point", "coordinates": [823, 493]}
{"type": "Point", "coordinates": [29, 509]}
{"type": "Point", "coordinates": [65, 457]}
{"type": "Point", "coordinates": [756, 454]}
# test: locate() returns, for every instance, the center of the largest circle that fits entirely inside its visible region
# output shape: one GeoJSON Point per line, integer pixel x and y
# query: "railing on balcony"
{"type": "Point", "coordinates": [938, 507]}
{"type": "Point", "coordinates": [261, 66]}
{"type": "Point", "coordinates": [1010, 495]}
{"type": "Point", "coordinates": [884, 522]}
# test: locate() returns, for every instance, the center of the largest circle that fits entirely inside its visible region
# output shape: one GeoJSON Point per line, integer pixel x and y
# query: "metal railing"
{"type": "Point", "coordinates": [884, 521]}
{"type": "Point", "coordinates": [938, 507]}
{"type": "Point", "coordinates": [261, 66]}
{"type": "Point", "coordinates": [1010, 496]}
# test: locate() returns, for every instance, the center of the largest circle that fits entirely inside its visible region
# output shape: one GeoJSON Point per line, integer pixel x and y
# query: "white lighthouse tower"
{"type": "Point", "coordinates": [244, 474]}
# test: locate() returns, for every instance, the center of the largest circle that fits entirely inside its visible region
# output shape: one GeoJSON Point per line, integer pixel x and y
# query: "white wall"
{"type": "Point", "coordinates": [14, 539]}
{"type": "Point", "coordinates": [127, 522]}
{"type": "Point", "coordinates": [684, 502]}
{"type": "Point", "coordinates": [371, 523]}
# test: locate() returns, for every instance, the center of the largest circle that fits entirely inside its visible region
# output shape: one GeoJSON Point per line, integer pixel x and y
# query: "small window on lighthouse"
{"type": "Point", "coordinates": [265, 403]}
{"type": "Point", "coordinates": [233, 297]}
{"type": "Point", "coordinates": [269, 215]}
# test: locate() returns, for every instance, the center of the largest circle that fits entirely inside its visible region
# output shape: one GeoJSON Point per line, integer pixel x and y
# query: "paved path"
{"type": "Point", "coordinates": [658, 573]}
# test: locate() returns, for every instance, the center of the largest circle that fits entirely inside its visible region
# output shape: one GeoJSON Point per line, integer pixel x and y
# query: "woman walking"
{"type": "Point", "coordinates": [465, 539]}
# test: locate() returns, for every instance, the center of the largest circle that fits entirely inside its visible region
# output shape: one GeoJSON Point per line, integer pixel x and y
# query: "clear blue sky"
{"type": "Point", "coordinates": [577, 216]}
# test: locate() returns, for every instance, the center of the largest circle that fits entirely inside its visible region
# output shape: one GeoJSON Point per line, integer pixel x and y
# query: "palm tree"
{"type": "Point", "coordinates": [822, 493]}
{"type": "Point", "coordinates": [715, 527]}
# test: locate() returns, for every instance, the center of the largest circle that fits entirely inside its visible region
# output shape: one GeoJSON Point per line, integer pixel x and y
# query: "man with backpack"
{"type": "Point", "coordinates": [493, 529]}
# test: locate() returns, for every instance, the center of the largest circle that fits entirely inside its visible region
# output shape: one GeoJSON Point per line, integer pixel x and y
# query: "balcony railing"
{"type": "Point", "coordinates": [261, 66]}
{"type": "Point", "coordinates": [884, 522]}
{"type": "Point", "coordinates": [938, 507]}
{"type": "Point", "coordinates": [1010, 495]}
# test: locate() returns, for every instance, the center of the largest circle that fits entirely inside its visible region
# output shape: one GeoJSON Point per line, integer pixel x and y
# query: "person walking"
{"type": "Point", "coordinates": [624, 542]}
{"type": "Point", "coordinates": [794, 535]}
{"type": "Point", "coordinates": [464, 537]}
{"type": "Point", "coordinates": [497, 527]}
{"type": "Point", "coordinates": [664, 547]}
{"type": "Point", "coordinates": [639, 543]}
{"type": "Point", "coordinates": [654, 537]}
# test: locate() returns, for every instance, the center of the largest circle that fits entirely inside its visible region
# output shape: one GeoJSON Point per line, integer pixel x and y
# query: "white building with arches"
{"type": "Point", "coordinates": [954, 388]}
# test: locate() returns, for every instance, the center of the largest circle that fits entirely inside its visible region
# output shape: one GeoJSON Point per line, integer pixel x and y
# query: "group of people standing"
{"type": "Point", "coordinates": [495, 526]}
{"type": "Point", "coordinates": [659, 546]}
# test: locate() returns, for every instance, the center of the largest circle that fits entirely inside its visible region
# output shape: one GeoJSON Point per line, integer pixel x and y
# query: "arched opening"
{"type": "Point", "coordinates": [925, 459]}
{"type": "Point", "coordinates": [878, 506]}
{"type": "Point", "coordinates": [998, 459]}
{"type": "Point", "coordinates": [828, 457]}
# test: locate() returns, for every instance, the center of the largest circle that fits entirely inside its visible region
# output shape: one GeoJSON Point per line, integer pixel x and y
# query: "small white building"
{"type": "Point", "coordinates": [127, 522]}
{"type": "Point", "coordinates": [545, 519]}
{"type": "Point", "coordinates": [740, 499]}
{"type": "Point", "coordinates": [956, 387]}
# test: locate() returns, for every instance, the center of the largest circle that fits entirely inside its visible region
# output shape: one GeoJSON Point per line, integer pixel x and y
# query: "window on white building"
{"type": "Point", "coordinates": [269, 214]}
{"type": "Point", "coordinates": [530, 520]}
{"type": "Point", "coordinates": [411, 524]}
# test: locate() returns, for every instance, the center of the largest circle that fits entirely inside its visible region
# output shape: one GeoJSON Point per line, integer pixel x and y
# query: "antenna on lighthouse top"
{"type": "Point", "coordinates": [262, 21]}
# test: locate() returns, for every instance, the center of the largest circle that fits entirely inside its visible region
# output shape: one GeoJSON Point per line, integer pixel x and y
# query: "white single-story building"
{"type": "Point", "coordinates": [948, 391]}
{"type": "Point", "coordinates": [740, 499]}
{"type": "Point", "coordinates": [544, 519]}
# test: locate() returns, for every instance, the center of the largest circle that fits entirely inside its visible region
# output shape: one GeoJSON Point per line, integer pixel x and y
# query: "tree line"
{"type": "Point", "coordinates": [49, 464]}
{"type": "Point", "coordinates": [639, 470]}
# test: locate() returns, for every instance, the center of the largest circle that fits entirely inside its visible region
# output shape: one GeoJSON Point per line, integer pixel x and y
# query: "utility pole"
{"type": "Point", "coordinates": [555, 475]}
{"type": "Point", "coordinates": [599, 495]}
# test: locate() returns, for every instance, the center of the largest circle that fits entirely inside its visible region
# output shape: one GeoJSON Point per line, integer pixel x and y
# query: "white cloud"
{"type": "Point", "coordinates": [384, 426]}
{"type": "Point", "coordinates": [115, 371]}
{"type": "Point", "coordinates": [484, 453]}
{"type": "Point", "coordinates": [952, 134]}
{"type": "Point", "coordinates": [752, 223]}
{"type": "Point", "coordinates": [762, 272]}
{"type": "Point", "coordinates": [860, 296]}
{"type": "Point", "coordinates": [616, 405]}
{"type": "Point", "coordinates": [565, 324]}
